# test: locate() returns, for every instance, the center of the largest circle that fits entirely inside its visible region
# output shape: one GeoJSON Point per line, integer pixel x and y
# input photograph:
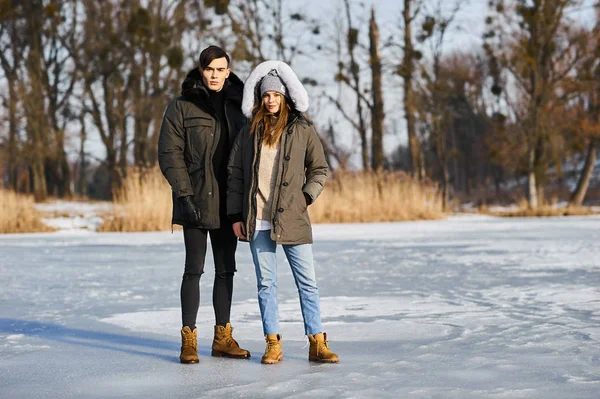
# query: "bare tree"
{"type": "Point", "coordinates": [154, 35]}
{"type": "Point", "coordinates": [590, 92]}
{"type": "Point", "coordinates": [406, 70]}
{"type": "Point", "coordinates": [530, 49]}
{"type": "Point", "coordinates": [105, 66]}
{"type": "Point", "coordinates": [263, 29]}
{"type": "Point", "coordinates": [355, 84]}
{"type": "Point", "coordinates": [33, 89]}
{"type": "Point", "coordinates": [433, 93]}
{"type": "Point", "coordinates": [377, 112]}
{"type": "Point", "coordinates": [12, 49]}
{"type": "Point", "coordinates": [333, 151]}
{"type": "Point", "coordinates": [59, 77]}
{"type": "Point", "coordinates": [349, 74]}
{"type": "Point", "coordinates": [40, 78]}
{"type": "Point", "coordinates": [82, 183]}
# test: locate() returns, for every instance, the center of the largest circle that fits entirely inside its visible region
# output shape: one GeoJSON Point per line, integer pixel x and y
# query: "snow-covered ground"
{"type": "Point", "coordinates": [74, 215]}
{"type": "Point", "coordinates": [469, 307]}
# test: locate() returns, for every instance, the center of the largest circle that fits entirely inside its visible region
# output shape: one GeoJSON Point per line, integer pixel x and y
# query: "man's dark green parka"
{"type": "Point", "coordinates": [188, 138]}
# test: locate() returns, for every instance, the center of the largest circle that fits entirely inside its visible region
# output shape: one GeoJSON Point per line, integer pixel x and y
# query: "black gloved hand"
{"type": "Point", "coordinates": [190, 211]}
{"type": "Point", "coordinates": [307, 198]}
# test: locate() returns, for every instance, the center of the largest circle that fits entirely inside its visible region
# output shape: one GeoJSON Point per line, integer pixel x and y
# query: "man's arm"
{"type": "Point", "coordinates": [171, 146]}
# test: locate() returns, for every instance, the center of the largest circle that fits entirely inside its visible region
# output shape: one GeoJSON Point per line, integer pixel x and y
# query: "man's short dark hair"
{"type": "Point", "coordinates": [210, 54]}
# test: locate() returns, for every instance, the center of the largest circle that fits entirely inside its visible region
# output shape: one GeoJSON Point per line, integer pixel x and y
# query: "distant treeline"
{"type": "Point", "coordinates": [519, 115]}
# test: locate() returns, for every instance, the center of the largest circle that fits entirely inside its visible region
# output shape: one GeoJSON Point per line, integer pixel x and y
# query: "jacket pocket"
{"type": "Point", "coordinates": [199, 133]}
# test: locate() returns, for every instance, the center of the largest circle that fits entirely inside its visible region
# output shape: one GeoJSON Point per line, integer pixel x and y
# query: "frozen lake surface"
{"type": "Point", "coordinates": [470, 307]}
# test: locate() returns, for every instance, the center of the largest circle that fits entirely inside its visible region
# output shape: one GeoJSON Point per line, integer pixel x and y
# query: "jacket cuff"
{"type": "Point", "coordinates": [236, 217]}
{"type": "Point", "coordinates": [182, 189]}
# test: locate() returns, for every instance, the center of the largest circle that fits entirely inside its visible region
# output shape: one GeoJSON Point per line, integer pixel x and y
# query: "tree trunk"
{"type": "Point", "coordinates": [583, 182]}
{"type": "Point", "coordinates": [140, 142]}
{"type": "Point", "coordinates": [39, 180]}
{"type": "Point", "coordinates": [82, 165]}
{"type": "Point", "coordinates": [142, 109]}
{"type": "Point", "coordinates": [59, 172]}
{"type": "Point", "coordinates": [36, 115]}
{"type": "Point", "coordinates": [11, 59]}
{"type": "Point", "coordinates": [63, 171]}
{"type": "Point", "coordinates": [532, 195]}
{"type": "Point", "coordinates": [354, 71]}
{"type": "Point", "coordinates": [113, 173]}
{"type": "Point", "coordinates": [445, 186]}
{"type": "Point", "coordinates": [414, 146]}
{"type": "Point", "coordinates": [12, 135]}
{"type": "Point", "coordinates": [153, 147]}
{"type": "Point", "coordinates": [123, 147]}
{"type": "Point", "coordinates": [377, 113]}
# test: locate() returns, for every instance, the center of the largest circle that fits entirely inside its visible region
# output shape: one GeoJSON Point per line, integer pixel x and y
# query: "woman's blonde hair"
{"type": "Point", "coordinates": [272, 128]}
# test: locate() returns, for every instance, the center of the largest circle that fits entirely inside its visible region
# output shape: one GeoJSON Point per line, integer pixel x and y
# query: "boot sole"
{"type": "Point", "coordinates": [188, 361]}
{"type": "Point", "coordinates": [223, 354]}
{"type": "Point", "coordinates": [316, 359]}
{"type": "Point", "coordinates": [271, 361]}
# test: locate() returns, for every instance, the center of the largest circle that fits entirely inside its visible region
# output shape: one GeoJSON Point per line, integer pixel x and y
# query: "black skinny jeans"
{"type": "Point", "coordinates": [224, 244]}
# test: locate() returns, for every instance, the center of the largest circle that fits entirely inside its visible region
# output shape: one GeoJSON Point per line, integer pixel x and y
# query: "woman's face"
{"type": "Point", "coordinates": [272, 101]}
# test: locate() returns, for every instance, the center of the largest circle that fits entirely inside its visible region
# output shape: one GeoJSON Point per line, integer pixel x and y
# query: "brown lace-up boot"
{"type": "Point", "coordinates": [273, 351]}
{"type": "Point", "coordinates": [319, 349]}
{"type": "Point", "coordinates": [224, 344]}
{"type": "Point", "coordinates": [189, 346]}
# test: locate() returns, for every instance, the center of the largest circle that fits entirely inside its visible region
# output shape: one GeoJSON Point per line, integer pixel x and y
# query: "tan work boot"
{"type": "Point", "coordinates": [224, 344]}
{"type": "Point", "coordinates": [189, 345]}
{"type": "Point", "coordinates": [319, 349]}
{"type": "Point", "coordinates": [273, 351]}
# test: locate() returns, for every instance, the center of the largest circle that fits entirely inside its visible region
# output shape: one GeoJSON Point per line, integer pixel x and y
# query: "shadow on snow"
{"type": "Point", "coordinates": [134, 345]}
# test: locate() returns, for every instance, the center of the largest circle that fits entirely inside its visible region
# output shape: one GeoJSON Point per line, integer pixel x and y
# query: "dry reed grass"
{"type": "Point", "coordinates": [19, 214]}
{"type": "Point", "coordinates": [355, 197]}
{"type": "Point", "coordinates": [545, 210]}
{"type": "Point", "coordinates": [144, 202]}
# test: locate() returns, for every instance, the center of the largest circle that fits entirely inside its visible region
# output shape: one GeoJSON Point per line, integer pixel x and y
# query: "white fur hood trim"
{"type": "Point", "coordinates": [296, 91]}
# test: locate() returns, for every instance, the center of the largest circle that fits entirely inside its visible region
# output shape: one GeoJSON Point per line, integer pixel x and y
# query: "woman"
{"type": "Point", "coordinates": [276, 169]}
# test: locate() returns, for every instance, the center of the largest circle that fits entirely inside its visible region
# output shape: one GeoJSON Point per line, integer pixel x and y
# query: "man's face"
{"type": "Point", "coordinates": [215, 73]}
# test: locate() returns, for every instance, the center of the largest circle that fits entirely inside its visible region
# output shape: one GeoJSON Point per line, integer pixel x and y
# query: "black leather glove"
{"type": "Point", "coordinates": [190, 211]}
{"type": "Point", "coordinates": [307, 198]}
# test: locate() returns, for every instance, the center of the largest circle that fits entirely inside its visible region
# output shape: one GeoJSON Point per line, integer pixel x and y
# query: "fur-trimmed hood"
{"type": "Point", "coordinates": [295, 90]}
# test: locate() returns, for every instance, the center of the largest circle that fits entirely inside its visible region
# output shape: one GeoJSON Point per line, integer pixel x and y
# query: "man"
{"type": "Point", "coordinates": [196, 136]}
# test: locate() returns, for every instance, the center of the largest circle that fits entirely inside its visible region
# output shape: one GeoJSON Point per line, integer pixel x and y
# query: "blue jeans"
{"type": "Point", "coordinates": [300, 258]}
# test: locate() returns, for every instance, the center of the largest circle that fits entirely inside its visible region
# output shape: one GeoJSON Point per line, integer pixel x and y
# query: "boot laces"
{"type": "Point", "coordinates": [229, 337]}
{"type": "Point", "coordinates": [271, 344]}
{"type": "Point", "coordinates": [188, 340]}
{"type": "Point", "coordinates": [322, 347]}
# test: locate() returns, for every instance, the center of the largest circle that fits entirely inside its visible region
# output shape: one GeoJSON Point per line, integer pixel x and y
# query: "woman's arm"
{"type": "Point", "coordinates": [316, 167]}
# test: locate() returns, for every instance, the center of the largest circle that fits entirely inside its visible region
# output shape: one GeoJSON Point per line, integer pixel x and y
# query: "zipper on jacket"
{"type": "Point", "coordinates": [254, 184]}
{"type": "Point", "coordinates": [215, 134]}
{"type": "Point", "coordinates": [282, 158]}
